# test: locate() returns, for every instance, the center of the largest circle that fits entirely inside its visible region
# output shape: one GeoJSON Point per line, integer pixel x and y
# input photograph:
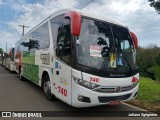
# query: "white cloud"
{"type": "Point", "coordinates": [136, 14]}
{"type": "Point", "coordinates": [35, 13]}
{"type": "Point", "coordinates": [127, 8]}
{"type": "Point", "coordinates": [1, 2]}
{"type": "Point", "coordinates": [8, 37]}
{"type": "Point", "coordinates": [83, 3]}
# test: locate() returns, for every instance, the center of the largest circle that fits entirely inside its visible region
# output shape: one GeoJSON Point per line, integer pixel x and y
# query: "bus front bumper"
{"type": "Point", "coordinates": [83, 97]}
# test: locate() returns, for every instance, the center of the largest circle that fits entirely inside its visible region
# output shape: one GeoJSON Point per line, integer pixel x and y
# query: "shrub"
{"type": "Point", "coordinates": [154, 72]}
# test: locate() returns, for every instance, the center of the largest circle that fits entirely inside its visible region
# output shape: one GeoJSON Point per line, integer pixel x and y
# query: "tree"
{"type": "Point", "coordinates": [31, 44]}
{"type": "Point", "coordinates": [1, 50]}
{"type": "Point", "coordinates": [155, 4]}
{"type": "Point", "coordinates": [158, 59]}
{"type": "Point", "coordinates": [154, 72]}
{"type": "Point", "coordinates": [148, 57]}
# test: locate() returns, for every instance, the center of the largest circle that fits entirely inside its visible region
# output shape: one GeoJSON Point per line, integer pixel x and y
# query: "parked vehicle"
{"type": "Point", "coordinates": [9, 59]}
{"type": "Point", "coordinates": [81, 59]}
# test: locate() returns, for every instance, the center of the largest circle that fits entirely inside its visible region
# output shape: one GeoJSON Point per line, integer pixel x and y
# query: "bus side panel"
{"type": "Point", "coordinates": [30, 70]}
{"type": "Point", "coordinates": [11, 60]}
{"type": "Point", "coordinates": [17, 56]}
{"type": "Point", "coordinates": [43, 60]}
{"type": "Point", "coordinates": [35, 63]}
{"type": "Point", "coordinates": [61, 80]}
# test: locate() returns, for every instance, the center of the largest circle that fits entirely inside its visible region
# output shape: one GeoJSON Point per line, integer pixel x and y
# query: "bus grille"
{"type": "Point", "coordinates": [103, 89]}
{"type": "Point", "coordinates": [114, 98]}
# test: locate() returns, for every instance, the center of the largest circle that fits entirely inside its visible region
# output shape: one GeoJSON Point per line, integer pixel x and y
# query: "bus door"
{"type": "Point", "coordinates": [62, 68]}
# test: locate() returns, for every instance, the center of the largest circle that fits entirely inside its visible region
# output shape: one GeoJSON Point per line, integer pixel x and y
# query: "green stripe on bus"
{"type": "Point", "coordinates": [31, 72]}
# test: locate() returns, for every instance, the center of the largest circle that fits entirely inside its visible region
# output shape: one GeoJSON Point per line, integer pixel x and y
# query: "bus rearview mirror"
{"type": "Point", "coordinates": [75, 22]}
{"type": "Point", "coordinates": [134, 39]}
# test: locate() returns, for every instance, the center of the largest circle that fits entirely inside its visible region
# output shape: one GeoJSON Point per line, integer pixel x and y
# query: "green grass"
{"type": "Point", "coordinates": [149, 90]}
{"type": "Point", "coordinates": [148, 96]}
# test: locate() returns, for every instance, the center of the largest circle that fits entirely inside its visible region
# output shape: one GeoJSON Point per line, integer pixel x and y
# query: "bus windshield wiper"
{"type": "Point", "coordinates": [102, 70]}
{"type": "Point", "coordinates": [126, 59]}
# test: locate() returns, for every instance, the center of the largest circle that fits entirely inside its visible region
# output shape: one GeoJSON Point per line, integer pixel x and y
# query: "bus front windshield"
{"type": "Point", "coordinates": [105, 47]}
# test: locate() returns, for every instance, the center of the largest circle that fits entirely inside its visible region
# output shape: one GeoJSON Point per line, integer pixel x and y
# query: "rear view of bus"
{"type": "Point", "coordinates": [105, 69]}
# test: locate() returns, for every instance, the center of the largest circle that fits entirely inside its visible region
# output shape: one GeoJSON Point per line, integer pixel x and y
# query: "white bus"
{"type": "Point", "coordinates": [81, 59]}
{"type": "Point", "coordinates": [9, 59]}
{"type": "Point", "coordinates": [1, 58]}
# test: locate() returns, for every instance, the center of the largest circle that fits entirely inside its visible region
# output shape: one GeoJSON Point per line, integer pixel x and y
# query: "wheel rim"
{"type": "Point", "coordinates": [47, 87]}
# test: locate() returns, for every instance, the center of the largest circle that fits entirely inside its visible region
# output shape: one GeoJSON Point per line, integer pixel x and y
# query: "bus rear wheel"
{"type": "Point", "coordinates": [47, 88]}
{"type": "Point", "coordinates": [21, 78]}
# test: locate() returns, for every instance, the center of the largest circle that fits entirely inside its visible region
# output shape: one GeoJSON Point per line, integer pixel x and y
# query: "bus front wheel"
{"type": "Point", "coordinates": [47, 88]}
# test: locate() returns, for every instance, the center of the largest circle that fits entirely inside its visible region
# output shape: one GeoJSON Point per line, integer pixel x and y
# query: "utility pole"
{"type": "Point", "coordinates": [6, 46]}
{"type": "Point", "coordinates": [23, 26]}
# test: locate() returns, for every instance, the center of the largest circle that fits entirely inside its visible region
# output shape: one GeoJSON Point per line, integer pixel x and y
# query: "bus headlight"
{"type": "Point", "coordinates": [85, 84]}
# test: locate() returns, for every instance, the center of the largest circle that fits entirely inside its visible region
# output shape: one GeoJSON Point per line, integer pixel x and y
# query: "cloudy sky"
{"type": "Point", "coordinates": [143, 20]}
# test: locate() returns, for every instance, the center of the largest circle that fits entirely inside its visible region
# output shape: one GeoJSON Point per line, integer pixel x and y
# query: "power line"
{"type": "Point", "coordinates": [65, 4]}
{"type": "Point", "coordinates": [87, 4]}
{"type": "Point", "coordinates": [4, 37]}
{"type": "Point", "coordinates": [68, 4]}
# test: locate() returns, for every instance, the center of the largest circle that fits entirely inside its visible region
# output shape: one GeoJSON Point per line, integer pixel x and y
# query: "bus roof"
{"type": "Point", "coordinates": [87, 14]}
{"type": "Point", "coordinates": [83, 13]}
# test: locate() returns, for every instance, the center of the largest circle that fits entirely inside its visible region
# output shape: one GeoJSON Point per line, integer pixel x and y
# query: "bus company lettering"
{"type": "Point", "coordinates": [45, 57]}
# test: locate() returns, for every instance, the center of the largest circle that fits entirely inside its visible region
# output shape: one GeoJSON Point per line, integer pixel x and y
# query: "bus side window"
{"type": "Point", "coordinates": [63, 49]}
{"type": "Point", "coordinates": [61, 38]}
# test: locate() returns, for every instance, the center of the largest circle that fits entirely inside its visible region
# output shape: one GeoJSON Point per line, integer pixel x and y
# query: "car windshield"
{"type": "Point", "coordinates": [106, 47]}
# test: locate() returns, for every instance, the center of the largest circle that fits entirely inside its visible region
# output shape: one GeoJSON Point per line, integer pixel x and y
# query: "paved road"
{"type": "Point", "coordinates": [16, 95]}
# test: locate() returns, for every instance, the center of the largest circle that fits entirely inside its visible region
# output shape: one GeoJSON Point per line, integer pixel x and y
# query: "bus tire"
{"type": "Point", "coordinates": [21, 78]}
{"type": "Point", "coordinates": [47, 88]}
